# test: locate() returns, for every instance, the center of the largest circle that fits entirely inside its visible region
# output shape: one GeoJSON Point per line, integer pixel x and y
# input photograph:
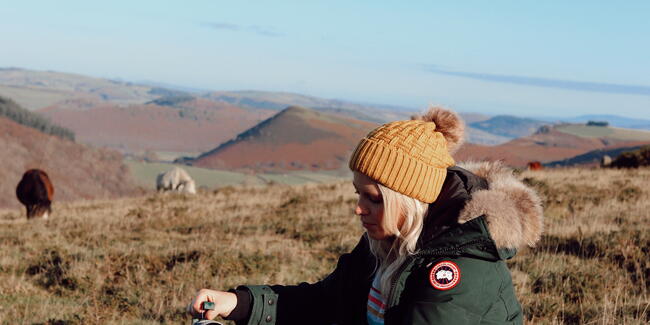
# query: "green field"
{"type": "Point", "coordinates": [145, 175]}
{"type": "Point", "coordinates": [171, 155]}
{"type": "Point", "coordinates": [601, 132]}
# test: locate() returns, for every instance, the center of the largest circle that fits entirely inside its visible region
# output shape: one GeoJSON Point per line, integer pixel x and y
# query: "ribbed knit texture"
{"type": "Point", "coordinates": [409, 157]}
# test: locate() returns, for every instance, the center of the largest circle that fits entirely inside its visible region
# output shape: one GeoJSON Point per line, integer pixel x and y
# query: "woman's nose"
{"type": "Point", "coordinates": [358, 210]}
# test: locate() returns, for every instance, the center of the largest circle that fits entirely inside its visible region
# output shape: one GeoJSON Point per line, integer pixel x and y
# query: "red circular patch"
{"type": "Point", "coordinates": [444, 275]}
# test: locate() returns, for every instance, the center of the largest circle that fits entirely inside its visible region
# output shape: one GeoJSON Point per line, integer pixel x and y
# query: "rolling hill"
{"type": "Point", "coordinates": [554, 143]}
{"type": "Point", "coordinates": [592, 158]}
{"type": "Point", "coordinates": [107, 112]}
{"type": "Point", "coordinates": [134, 118]}
{"type": "Point", "coordinates": [38, 89]}
{"type": "Point", "coordinates": [77, 171]}
{"type": "Point", "coordinates": [611, 133]}
{"type": "Point", "coordinates": [297, 138]}
{"type": "Point", "coordinates": [508, 126]}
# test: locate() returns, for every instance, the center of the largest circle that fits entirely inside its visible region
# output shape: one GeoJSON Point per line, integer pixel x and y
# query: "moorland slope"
{"type": "Point", "coordinates": [77, 171]}
{"type": "Point", "coordinates": [140, 260]}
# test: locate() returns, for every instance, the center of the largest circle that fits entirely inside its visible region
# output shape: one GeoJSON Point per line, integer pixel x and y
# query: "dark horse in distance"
{"type": "Point", "coordinates": [35, 191]}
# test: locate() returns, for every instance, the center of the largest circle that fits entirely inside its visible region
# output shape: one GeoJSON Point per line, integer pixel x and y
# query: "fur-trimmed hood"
{"type": "Point", "coordinates": [512, 210]}
{"type": "Point", "coordinates": [481, 200]}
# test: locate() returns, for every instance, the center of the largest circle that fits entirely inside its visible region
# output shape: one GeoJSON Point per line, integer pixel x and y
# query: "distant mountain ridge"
{"type": "Point", "coordinates": [135, 117]}
{"type": "Point", "coordinates": [613, 120]}
{"type": "Point", "coordinates": [279, 100]}
{"type": "Point", "coordinates": [509, 126]}
{"type": "Point", "coordinates": [38, 89]}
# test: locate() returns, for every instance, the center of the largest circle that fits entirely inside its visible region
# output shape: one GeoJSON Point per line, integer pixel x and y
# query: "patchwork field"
{"type": "Point", "coordinates": [139, 260]}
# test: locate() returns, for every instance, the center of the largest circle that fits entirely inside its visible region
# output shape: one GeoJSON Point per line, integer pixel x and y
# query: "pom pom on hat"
{"type": "Point", "coordinates": [448, 123]}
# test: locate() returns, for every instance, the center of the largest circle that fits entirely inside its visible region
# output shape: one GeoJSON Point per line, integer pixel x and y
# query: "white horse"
{"type": "Point", "coordinates": [177, 180]}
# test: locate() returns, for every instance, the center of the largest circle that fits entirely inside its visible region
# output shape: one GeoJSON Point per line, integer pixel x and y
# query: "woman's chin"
{"type": "Point", "coordinates": [376, 235]}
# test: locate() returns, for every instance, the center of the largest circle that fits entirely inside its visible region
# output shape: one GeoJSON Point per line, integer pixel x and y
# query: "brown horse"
{"type": "Point", "coordinates": [35, 192]}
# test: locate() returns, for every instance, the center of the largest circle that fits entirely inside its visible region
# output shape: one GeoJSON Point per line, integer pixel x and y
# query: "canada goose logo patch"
{"type": "Point", "coordinates": [444, 275]}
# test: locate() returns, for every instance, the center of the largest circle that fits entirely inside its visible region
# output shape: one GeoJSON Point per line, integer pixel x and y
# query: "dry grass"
{"type": "Point", "coordinates": [139, 260]}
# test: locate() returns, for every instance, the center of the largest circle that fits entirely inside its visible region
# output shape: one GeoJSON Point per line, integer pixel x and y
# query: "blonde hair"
{"type": "Point", "coordinates": [403, 219]}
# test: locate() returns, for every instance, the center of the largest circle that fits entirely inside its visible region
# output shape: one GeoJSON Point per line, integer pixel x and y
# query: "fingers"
{"type": "Point", "coordinates": [195, 308]}
{"type": "Point", "coordinates": [223, 304]}
{"type": "Point", "coordinates": [201, 296]}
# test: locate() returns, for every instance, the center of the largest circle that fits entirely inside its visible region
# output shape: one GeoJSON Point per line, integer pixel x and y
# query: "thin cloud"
{"type": "Point", "coordinates": [547, 82]}
{"type": "Point", "coordinates": [259, 30]}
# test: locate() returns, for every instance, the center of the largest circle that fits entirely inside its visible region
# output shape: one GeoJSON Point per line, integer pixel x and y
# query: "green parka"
{"type": "Point", "coordinates": [477, 222]}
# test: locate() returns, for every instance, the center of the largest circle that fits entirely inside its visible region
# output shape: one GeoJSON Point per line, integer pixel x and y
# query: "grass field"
{"type": "Point", "coordinates": [33, 99]}
{"type": "Point", "coordinates": [139, 260]}
{"type": "Point", "coordinates": [145, 175]}
{"type": "Point", "coordinates": [171, 155]}
{"type": "Point", "coordinates": [609, 132]}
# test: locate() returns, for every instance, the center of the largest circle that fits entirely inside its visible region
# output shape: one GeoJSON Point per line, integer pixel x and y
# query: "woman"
{"type": "Point", "coordinates": [437, 237]}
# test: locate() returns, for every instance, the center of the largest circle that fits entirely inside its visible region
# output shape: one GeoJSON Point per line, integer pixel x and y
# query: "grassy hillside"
{"type": "Point", "coordinates": [592, 158]}
{"type": "Point", "coordinates": [145, 175]}
{"type": "Point", "coordinates": [38, 89]}
{"type": "Point", "coordinates": [140, 260]}
{"type": "Point", "coordinates": [582, 130]}
{"type": "Point", "coordinates": [77, 171]}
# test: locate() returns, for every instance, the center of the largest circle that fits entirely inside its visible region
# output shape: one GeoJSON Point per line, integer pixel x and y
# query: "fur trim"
{"type": "Point", "coordinates": [448, 123]}
{"type": "Point", "coordinates": [512, 210]}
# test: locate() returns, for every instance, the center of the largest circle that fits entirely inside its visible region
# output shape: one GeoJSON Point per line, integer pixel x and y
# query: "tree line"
{"type": "Point", "coordinates": [13, 111]}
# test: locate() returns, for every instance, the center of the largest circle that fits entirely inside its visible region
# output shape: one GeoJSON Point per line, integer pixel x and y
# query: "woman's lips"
{"type": "Point", "coordinates": [366, 225]}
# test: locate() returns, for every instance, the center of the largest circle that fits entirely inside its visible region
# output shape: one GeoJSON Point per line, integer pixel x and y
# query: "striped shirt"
{"type": "Point", "coordinates": [376, 303]}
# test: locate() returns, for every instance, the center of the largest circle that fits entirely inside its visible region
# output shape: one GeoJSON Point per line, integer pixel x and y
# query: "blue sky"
{"type": "Point", "coordinates": [551, 58]}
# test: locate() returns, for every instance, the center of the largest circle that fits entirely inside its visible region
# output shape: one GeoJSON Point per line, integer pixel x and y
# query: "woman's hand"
{"type": "Point", "coordinates": [224, 303]}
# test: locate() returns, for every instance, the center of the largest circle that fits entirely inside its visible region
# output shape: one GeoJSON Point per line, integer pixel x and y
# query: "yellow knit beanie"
{"type": "Point", "coordinates": [411, 157]}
